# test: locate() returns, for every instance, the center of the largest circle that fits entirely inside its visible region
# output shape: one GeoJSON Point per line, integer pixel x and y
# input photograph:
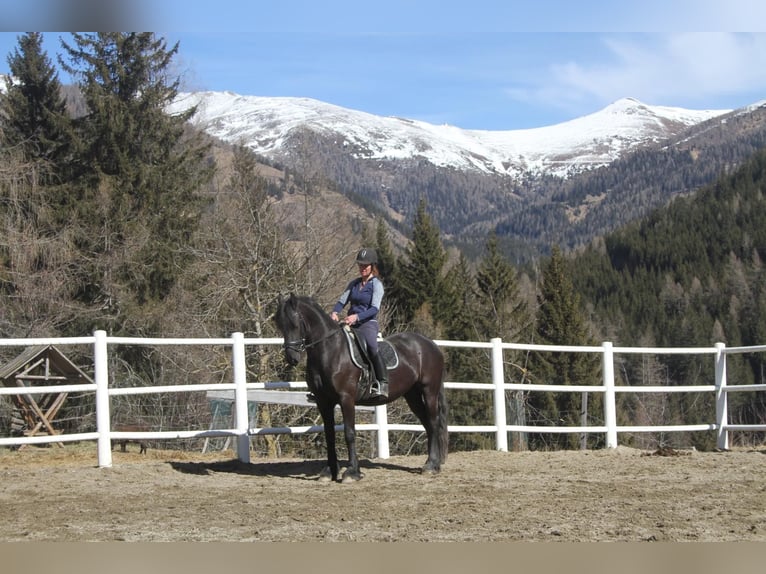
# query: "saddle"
{"type": "Point", "coordinates": [360, 357]}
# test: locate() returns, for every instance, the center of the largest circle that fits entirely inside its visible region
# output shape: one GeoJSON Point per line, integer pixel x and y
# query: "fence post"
{"type": "Point", "coordinates": [240, 397]}
{"type": "Point", "coordinates": [610, 406]}
{"type": "Point", "coordinates": [498, 381]}
{"type": "Point", "coordinates": [101, 375]}
{"type": "Point", "coordinates": [381, 419]}
{"type": "Point", "coordinates": [721, 399]}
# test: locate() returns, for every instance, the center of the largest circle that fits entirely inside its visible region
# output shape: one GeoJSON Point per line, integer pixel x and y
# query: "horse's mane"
{"type": "Point", "coordinates": [310, 301]}
{"type": "Point", "coordinates": [313, 304]}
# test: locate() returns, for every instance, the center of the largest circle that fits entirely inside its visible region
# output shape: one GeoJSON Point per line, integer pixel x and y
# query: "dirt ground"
{"type": "Point", "coordinates": [60, 494]}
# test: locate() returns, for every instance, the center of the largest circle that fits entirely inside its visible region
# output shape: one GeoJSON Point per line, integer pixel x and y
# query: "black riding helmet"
{"type": "Point", "coordinates": [367, 256]}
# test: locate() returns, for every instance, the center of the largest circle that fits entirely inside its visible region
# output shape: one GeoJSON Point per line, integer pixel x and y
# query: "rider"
{"type": "Point", "coordinates": [365, 294]}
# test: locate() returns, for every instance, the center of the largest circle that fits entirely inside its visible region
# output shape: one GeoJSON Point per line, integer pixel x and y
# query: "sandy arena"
{"type": "Point", "coordinates": [60, 494]}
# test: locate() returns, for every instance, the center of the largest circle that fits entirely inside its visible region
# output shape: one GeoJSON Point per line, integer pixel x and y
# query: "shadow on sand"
{"type": "Point", "coordinates": [298, 470]}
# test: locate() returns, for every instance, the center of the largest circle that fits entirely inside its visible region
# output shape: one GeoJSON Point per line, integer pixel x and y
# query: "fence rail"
{"type": "Point", "coordinates": [240, 388]}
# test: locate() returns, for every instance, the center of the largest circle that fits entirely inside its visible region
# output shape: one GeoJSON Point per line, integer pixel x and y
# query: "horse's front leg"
{"type": "Point", "coordinates": [348, 408]}
{"type": "Point", "coordinates": [330, 472]}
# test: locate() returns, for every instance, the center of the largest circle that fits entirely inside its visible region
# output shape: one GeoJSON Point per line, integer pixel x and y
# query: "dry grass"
{"type": "Point", "coordinates": [86, 454]}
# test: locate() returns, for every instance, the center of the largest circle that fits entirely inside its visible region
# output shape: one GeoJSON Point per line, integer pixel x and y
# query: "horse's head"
{"type": "Point", "coordinates": [289, 322]}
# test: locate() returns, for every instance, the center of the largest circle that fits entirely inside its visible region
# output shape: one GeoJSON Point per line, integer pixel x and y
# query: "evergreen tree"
{"type": "Point", "coordinates": [387, 267]}
{"type": "Point", "coordinates": [139, 174]}
{"type": "Point", "coordinates": [458, 304]}
{"type": "Point", "coordinates": [386, 257]}
{"type": "Point", "coordinates": [505, 315]}
{"type": "Point", "coordinates": [560, 321]}
{"type": "Point", "coordinates": [421, 269]}
{"type": "Point", "coordinates": [687, 275]}
{"type": "Point", "coordinates": [458, 311]}
{"type": "Point", "coordinates": [36, 258]}
{"type": "Point", "coordinates": [505, 312]}
{"type": "Point", "coordinates": [33, 110]}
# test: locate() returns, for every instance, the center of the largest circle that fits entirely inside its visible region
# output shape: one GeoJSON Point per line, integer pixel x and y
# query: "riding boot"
{"type": "Point", "coordinates": [380, 387]}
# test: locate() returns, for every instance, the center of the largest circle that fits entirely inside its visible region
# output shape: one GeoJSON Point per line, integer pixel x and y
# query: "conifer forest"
{"type": "Point", "coordinates": [118, 216]}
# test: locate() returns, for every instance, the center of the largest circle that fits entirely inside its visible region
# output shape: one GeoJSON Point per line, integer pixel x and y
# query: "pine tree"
{"type": "Point", "coordinates": [139, 173]}
{"type": "Point", "coordinates": [36, 258]}
{"type": "Point", "coordinates": [505, 312]}
{"type": "Point", "coordinates": [387, 267]}
{"type": "Point", "coordinates": [32, 109]}
{"type": "Point", "coordinates": [505, 315]}
{"type": "Point", "coordinates": [421, 269]}
{"type": "Point", "coordinates": [458, 305]}
{"type": "Point", "coordinates": [458, 311]}
{"type": "Point", "coordinates": [560, 321]}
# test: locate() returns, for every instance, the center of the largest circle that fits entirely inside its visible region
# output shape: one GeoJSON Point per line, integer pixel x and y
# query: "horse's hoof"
{"type": "Point", "coordinates": [429, 470]}
{"type": "Point", "coordinates": [326, 475]}
{"type": "Point", "coordinates": [348, 478]}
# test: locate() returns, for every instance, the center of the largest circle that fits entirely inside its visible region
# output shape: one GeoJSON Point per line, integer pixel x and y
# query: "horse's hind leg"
{"type": "Point", "coordinates": [425, 408]}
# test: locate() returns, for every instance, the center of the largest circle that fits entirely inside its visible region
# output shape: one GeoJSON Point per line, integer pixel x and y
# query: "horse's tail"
{"type": "Point", "coordinates": [441, 425]}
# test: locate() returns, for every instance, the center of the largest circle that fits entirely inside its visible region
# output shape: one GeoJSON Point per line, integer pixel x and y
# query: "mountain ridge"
{"type": "Point", "coordinates": [267, 124]}
{"type": "Point", "coordinates": [617, 165]}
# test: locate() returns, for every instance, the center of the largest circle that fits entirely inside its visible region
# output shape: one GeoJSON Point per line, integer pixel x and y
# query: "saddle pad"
{"type": "Point", "coordinates": [388, 354]}
{"type": "Point", "coordinates": [385, 350]}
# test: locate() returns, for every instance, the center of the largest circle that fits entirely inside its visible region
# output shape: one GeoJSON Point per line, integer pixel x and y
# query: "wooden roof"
{"type": "Point", "coordinates": [33, 357]}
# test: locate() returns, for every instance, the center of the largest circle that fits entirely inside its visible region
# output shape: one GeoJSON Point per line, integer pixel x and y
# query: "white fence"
{"type": "Point", "coordinates": [240, 387]}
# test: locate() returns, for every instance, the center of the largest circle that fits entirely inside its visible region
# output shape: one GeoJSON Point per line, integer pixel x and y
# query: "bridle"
{"type": "Point", "coordinates": [300, 345]}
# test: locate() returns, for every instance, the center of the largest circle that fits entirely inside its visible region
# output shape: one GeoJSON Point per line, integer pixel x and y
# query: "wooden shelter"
{"type": "Point", "coordinates": [35, 366]}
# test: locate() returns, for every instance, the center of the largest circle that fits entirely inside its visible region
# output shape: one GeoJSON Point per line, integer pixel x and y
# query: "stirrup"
{"type": "Point", "coordinates": [378, 389]}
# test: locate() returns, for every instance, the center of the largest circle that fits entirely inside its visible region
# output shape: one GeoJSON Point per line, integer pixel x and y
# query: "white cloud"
{"type": "Point", "coordinates": [675, 69]}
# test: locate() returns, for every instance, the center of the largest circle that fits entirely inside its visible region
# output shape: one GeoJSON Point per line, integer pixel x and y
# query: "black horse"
{"type": "Point", "coordinates": [333, 377]}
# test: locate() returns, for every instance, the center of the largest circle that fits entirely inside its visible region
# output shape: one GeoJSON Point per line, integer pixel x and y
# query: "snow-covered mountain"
{"type": "Point", "coordinates": [266, 124]}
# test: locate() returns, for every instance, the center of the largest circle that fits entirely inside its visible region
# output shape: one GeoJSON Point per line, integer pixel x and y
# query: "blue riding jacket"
{"type": "Point", "coordinates": [364, 302]}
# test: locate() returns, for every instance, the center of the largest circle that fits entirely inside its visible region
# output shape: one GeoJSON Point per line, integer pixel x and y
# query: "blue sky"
{"type": "Point", "coordinates": [494, 65]}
